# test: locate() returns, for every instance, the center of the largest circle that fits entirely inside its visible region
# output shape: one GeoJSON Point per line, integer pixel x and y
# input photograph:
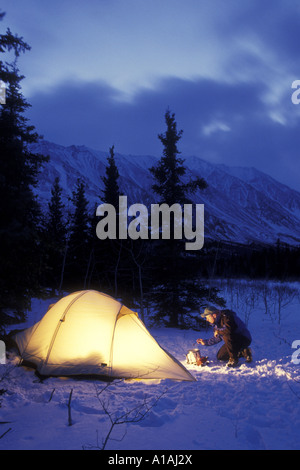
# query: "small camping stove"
{"type": "Point", "coordinates": [194, 357]}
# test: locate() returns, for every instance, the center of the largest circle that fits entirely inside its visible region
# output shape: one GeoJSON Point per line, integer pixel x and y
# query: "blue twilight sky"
{"type": "Point", "coordinates": [103, 72]}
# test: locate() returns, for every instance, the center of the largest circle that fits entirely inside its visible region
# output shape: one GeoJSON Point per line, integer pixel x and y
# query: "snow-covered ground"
{"type": "Point", "coordinates": [256, 406]}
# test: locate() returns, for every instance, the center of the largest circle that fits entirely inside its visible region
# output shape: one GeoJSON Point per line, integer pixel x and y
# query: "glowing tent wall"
{"type": "Point", "coordinates": [87, 333]}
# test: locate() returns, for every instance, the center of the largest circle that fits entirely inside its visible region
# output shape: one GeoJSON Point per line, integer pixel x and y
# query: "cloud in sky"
{"type": "Point", "coordinates": [224, 123]}
{"type": "Point", "coordinates": [132, 44]}
{"type": "Point", "coordinates": [104, 71]}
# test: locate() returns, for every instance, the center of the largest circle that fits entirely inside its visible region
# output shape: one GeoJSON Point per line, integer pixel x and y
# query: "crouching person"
{"type": "Point", "coordinates": [232, 330]}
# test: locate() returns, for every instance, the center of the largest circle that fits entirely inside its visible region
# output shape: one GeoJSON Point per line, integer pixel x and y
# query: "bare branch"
{"type": "Point", "coordinates": [131, 415]}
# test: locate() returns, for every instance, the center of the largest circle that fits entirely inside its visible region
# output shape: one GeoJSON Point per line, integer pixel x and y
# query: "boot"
{"type": "Point", "coordinates": [233, 362]}
{"type": "Point", "coordinates": [247, 353]}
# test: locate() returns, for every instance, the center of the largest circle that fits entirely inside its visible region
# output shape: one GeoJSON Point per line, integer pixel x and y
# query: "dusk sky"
{"type": "Point", "coordinates": [103, 72]}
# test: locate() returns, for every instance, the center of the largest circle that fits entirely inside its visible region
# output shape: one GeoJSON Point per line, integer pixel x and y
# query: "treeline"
{"type": "Point", "coordinates": [146, 274]}
{"type": "Point", "coordinates": [254, 261]}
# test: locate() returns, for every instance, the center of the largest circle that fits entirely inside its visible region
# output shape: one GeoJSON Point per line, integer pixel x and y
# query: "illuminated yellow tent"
{"type": "Point", "coordinates": [88, 333]}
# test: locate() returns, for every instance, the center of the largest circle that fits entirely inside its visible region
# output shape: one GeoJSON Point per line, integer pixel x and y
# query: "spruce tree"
{"type": "Point", "coordinates": [174, 271]}
{"type": "Point", "coordinates": [110, 251]}
{"type": "Point", "coordinates": [55, 236]}
{"type": "Point", "coordinates": [111, 190]}
{"type": "Point", "coordinates": [78, 252]}
{"type": "Point", "coordinates": [170, 170]}
{"type": "Point", "coordinates": [19, 210]}
{"type": "Point", "coordinates": [100, 251]}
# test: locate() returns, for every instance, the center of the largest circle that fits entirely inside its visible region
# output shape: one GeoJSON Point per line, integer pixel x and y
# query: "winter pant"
{"type": "Point", "coordinates": [232, 347]}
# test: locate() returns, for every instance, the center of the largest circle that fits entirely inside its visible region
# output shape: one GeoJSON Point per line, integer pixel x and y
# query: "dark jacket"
{"type": "Point", "coordinates": [231, 329]}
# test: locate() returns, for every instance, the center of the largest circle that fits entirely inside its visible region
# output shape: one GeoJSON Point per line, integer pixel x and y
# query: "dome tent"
{"type": "Point", "coordinates": [91, 333]}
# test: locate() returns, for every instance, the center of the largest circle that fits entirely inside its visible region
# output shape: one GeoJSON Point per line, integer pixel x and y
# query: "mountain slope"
{"type": "Point", "coordinates": [241, 204]}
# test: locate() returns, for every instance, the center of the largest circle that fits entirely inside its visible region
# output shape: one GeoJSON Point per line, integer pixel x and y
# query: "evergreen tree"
{"type": "Point", "coordinates": [56, 226]}
{"type": "Point", "coordinates": [100, 251]}
{"type": "Point", "coordinates": [78, 252]}
{"type": "Point", "coordinates": [19, 209]}
{"type": "Point", "coordinates": [55, 236]}
{"type": "Point", "coordinates": [170, 170]}
{"type": "Point", "coordinates": [111, 190]}
{"type": "Point", "coordinates": [174, 271]}
{"type": "Point", "coordinates": [110, 251]}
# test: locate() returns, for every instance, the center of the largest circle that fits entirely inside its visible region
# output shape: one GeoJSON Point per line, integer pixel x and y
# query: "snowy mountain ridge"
{"type": "Point", "coordinates": [242, 205]}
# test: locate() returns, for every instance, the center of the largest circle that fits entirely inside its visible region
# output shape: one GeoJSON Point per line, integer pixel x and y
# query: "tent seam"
{"type": "Point", "coordinates": [112, 342]}
{"type": "Point", "coordinates": [59, 325]}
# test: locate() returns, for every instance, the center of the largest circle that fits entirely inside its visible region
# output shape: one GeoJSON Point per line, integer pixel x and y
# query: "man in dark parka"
{"type": "Point", "coordinates": [233, 331]}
